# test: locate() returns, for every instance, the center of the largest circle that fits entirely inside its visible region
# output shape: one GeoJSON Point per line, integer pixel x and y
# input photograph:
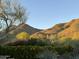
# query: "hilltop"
{"type": "Point", "coordinates": [69, 30]}
{"type": "Point", "coordinates": [59, 31]}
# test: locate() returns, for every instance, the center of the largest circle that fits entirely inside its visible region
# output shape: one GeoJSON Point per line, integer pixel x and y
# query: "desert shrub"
{"type": "Point", "coordinates": [65, 49]}
{"type": "Point", "coordinates": [39, 42]}
{"type": "Point", "coordinates": [47, 54]}
{"type": "Point", "coordinates": [63, 39]}
{"type": "Point", "coordinates": [53, 38]}
{"type": "Point", "coordinates": [31, 42]}
{"type": "Point", "coordinates": [22, 36]}
{"type": "Point", "coordinates": [34, 52]}
{"type": "Point", "coordinates": [21, 52]}
{"type": "Point", "coordinates": [70, 42]}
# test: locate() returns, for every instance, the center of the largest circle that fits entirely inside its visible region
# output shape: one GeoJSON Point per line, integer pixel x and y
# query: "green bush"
{"type": "Point", "coordinates": [39, 42]}
{"type": "Point", "coordinates": [30, 52]}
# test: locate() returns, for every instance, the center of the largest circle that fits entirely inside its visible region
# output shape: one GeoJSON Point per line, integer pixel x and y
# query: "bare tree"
{"type": "Point", "coordinates": [10, 13]}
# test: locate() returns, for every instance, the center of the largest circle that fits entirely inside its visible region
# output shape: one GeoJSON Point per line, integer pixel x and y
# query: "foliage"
{"type": "Point", "coordinates": [38, 42]}
{"type": "Point", "coordinates": [30, 42]}
{"type": "Point", "coordinates": [22, 36]}
{"type": "Point", "coordinates": [33, 52]}
{"type": "Point", "coordinates": [10, 13]}
{"type": "Point", "coordinates": [64, 41]}
{"type": "Point", "coordinates": [21, 52]}
{"type": "Point", "coordinates": [53, 39]}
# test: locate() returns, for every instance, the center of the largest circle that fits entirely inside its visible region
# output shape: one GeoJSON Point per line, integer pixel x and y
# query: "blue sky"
{"type": "Point", "coordinates": [46, 13]}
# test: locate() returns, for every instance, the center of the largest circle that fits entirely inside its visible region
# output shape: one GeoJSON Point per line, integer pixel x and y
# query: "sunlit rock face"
{"type": "Point", "coordinates": [46, 34]}
{"type": "Point", "coordinates": [69, 30]}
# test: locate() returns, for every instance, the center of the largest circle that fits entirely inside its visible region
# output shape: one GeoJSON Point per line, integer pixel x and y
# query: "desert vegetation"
{"type": "Point", "coordinates": [42, 49]}
{"type": "Point", "coordinates": [21, 41]}
{"type": "Point", "coordinates": [22, 36]}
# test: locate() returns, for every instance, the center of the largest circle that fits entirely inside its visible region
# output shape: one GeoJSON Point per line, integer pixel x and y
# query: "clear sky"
{"type": "Point", "coordinates": [46, 13]}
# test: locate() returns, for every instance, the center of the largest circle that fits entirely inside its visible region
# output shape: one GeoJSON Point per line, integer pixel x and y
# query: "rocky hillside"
{"type": "Point", "coordinates": [24, 28]}
{"type": "Point", "coordinates": [69, 30]}
{"type": "Point", "coordinates": [62, 30]}
{"type": "Point", "coordinates": [48, 32]}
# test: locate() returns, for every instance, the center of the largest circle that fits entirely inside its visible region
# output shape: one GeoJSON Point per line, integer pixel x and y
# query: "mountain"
{"type": "Point", "coordinates": [48, 32]}
{"type": "Point", "coordinates": [14, 30]}
{"type": "Point", "coordinates": [62, 30]}
{"type": "Point", "coordinates": [24, 28]}
{"type": "Point", "coordinates": [69, 30]}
